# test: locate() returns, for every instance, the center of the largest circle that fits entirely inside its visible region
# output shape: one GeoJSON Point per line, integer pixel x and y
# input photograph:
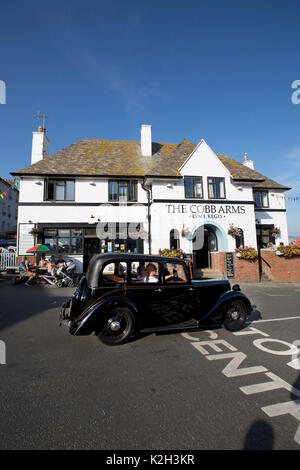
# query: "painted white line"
{"type": "Point", "coordinates": [275, 295]}
{"type": "Point", "coordinates": [273, 319]}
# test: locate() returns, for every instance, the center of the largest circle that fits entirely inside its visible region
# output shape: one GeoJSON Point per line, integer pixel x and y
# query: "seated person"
{"type": "Point", "coordinates": [43, 262]}
{"type": "Point", "coordinates": [51, 269]}
{"type": "Point", "coordinates": [151, 273]}
{"type": "Point", "coordinates": [141, 273]}
{"type": "Point", "coordinates": [60, 262]}
{"type": "Point", "coordinates": [172, 277]}
{"type": "Point", "coordinates": [25, 271]}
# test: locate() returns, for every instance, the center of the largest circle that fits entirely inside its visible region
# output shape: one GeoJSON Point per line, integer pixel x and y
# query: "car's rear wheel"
{"type": "Point", "coordinates": [116, 326]}
{"type": "Point", "coordinates": [235, 316]}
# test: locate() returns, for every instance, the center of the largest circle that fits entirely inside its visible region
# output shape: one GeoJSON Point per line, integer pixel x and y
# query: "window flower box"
{"type": "Point", "coordinates": [171, 253]}
{"type": "Point", "coordinates": [288, 251]}
{"type": "Point", "coordinates": [247, 252]}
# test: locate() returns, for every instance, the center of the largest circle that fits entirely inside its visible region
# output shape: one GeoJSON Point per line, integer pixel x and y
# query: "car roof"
{"type": "Point", "coordinates": [97, 261]}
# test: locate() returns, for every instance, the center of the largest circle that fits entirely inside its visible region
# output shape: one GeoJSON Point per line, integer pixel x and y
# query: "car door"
{"type": "Point", "coordinates": [146, 291]}
{"type": "Point", "coordinates": [178, 297]}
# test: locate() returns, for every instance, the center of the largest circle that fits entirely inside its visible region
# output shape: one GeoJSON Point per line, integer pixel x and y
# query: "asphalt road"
{"type": "Point", "coordinates": [166, 392]}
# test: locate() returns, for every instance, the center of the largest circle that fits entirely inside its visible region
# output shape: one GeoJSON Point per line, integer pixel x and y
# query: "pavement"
{"type": "Point", "coordinates": [197, 390]}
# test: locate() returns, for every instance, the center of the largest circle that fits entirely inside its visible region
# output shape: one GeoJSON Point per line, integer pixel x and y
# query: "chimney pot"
{"type": "Point", "coordinates": [248, 163]}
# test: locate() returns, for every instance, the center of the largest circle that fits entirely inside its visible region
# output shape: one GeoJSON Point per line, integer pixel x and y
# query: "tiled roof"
{"type": "Point", "coordinates": [98, 157]}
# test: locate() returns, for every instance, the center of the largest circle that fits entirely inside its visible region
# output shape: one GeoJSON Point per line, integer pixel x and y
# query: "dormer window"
{"type": "Point", "coordinates": [216, 188]}
{"type": "Point", "coordinates": [193, 186]}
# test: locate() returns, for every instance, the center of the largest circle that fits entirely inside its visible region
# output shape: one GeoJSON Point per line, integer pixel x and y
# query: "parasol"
{"type": "Point", "coordinates": [39, 248]}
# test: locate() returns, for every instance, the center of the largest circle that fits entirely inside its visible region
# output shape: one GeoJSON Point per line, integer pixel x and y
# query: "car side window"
{"type": "Point", "coordinates": [174, 273]}
{"type": "Point", "coordinates": [144, 272]}
{"type": "Point", "coordinates": [114, 272]}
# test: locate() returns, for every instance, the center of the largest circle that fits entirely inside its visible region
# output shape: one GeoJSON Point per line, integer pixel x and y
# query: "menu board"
{"type": "Point", "coordinates": [229, 265]}
{"type": "Point", "coordinates": [25, 239]}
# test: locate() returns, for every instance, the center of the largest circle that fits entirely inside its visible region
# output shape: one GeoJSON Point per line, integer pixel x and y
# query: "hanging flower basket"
{"type": "Point", "coordinates": [248, 252]}
{"type": "Point", "coordinates": [35, 231]}
{"type": "Point", "coordinates": [275, 231]}
{"type": "Point", "coordinates": [143, 234]}
{"type": "Point", "coordinates": [185, 231]}
{"type": "Point", "coordinates": [234, 231]}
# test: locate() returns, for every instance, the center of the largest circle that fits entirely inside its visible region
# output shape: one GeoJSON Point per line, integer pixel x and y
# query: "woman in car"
{"type": "Point", "coordinates": [151, 273]}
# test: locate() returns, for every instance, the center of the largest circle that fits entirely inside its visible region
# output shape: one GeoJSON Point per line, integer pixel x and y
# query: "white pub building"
{"type": "Point", "coordinates": [141, 196]}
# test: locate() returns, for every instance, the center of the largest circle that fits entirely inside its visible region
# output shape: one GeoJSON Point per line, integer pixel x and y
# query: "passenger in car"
{"type": "Point", "coordinates": [151, 273]}
{"type": "Point", "coordinates": [141, 273]}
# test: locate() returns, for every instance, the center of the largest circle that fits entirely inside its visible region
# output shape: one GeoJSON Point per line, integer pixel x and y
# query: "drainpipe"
{"type": "Point", "coordinates": [148, 191]}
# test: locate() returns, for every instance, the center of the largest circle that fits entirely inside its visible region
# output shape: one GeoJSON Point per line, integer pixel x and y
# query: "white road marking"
{"type": "Point", "coordinates": [275, 295]}
{"type": "Point", "coordinates": [273, 319]}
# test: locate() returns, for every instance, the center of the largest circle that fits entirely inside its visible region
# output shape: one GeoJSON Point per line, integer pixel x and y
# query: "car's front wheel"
{"type": "Point", "coordinates": [235, 315]}
{"type": "Point", "coordinates": [117, 326]}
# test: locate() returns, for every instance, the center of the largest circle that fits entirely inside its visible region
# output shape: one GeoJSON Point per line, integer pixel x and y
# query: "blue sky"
{"type": "Point", "coordinates": [221, 71]}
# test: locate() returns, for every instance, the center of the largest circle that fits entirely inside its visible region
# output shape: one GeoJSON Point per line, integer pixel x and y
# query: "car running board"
{"type": "Point", "coordinates": [186, 325]}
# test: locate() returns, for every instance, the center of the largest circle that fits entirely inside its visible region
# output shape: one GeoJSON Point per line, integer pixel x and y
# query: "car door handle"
{"type": "Point", "coordinates": [158, 290]}
{"type": "Point", "coordinates": [191, 288]}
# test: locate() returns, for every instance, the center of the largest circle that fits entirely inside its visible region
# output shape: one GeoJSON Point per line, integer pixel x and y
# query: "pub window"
{"type": "Point", "coordinates": [64, 240]}
{"type": "Point", "coordinates": [174, 239]}
{"type": "Point", "coordinates": [193, 186]}
{"type": "Point", "coordinates": [59, 190]}
{"type": "Point", "coordinates": [261, 199]}
{"type": "Point", "coordinates": [264, 236]}
{"type": "Point", "coordinates": [216, 188]}
{"type": "Point", "coordinates": [122, 190]}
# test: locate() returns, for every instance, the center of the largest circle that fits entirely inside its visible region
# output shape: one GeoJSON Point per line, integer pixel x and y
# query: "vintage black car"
{"type": "Point", "coordinates": [125, 294]}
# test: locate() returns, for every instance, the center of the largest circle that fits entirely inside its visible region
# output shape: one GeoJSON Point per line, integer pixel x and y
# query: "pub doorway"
{"type": "Point", "coordinates": [201, 256]}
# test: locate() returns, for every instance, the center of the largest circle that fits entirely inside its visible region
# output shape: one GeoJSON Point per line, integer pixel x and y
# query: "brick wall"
{"type": "Point", "coordinates": [276, 268]}
{"type": "Point", "coordinates": [279, 268]}
{"type": "Point", "coordinates": [244, 270]}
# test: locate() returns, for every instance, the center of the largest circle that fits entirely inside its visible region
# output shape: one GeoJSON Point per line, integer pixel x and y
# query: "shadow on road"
{"type": "Point", "coordinates": [18, 303]}
{"type": "Point", "coordinates": [260, 436]}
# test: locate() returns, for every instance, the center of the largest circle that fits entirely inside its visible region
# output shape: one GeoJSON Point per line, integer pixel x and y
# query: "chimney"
{"type": "Point", "coordinates": [40, 145]}
{"type": "Point", "coordinates": [146, 140]}
{"type": "Point", "coordinates": [248, 163]}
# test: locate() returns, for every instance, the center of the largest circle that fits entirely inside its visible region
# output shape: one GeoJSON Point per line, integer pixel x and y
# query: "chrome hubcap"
{"type": "Point", "coordinates": [235, 315]}
{"type": "Point", "coordinates": [114, 325]}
